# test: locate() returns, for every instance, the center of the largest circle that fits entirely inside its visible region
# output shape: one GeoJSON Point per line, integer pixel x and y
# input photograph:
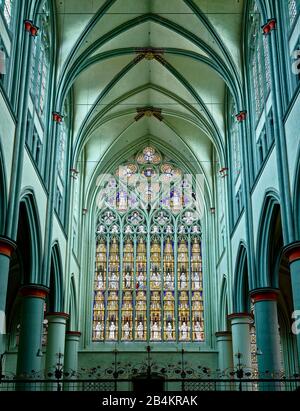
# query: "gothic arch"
{"type": "Point", "coordinates": [223, 304]}
{"type": "Point", "coordinates": [268, 251]}
{"type": "Point", "coordinates": [150, 300]}
{"type": "Point", "coordinates": [25, 262]}
{"type": "Point", "coordinates": [73, 319]}
{"type": "Point", "coordinates": [241, 282]}
{"type": "Point", "coordinates": [110, 163]}
{"type": "Point", "coordinates": [29, 212]}
{"type": "Point", "coordinates": [56, 280]}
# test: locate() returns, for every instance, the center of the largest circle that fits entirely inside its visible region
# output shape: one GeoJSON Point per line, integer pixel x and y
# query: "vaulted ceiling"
{"type": "Point", "coordinates": [174, 57]}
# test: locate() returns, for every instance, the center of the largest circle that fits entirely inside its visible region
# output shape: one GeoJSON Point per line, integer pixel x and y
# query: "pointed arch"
{"type": "Point", "coordinates": [241, 281]}
{"type": "Point", "coordinates": [223, 304]}
{"type": "Point", "coordinates": [56, 280]}
{"type": "Point", "coordinates": [269, 241]}
{"type": "Point", "coordinates": [25, 264]}
{"type": "Point", "coordinates": [73, 310]}
{"type": "Point", "coordinates": [30, 216]}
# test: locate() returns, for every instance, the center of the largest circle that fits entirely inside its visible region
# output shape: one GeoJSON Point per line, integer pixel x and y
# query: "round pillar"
{"type": "Point", "coordinates": [7, 247]}
{"type": "Point", "coordinates": [71, 352]}
{"type": "Point", "coordinates": [30, 342]}
{"type": "Point", "coordinates": [224, 346]}
{"type": "Point", "coordinates": [55, 340]}
{"type": "Point", "coordinates": [225, 358]}
{"type": "Point", "coordinates": [71, 359]}
{"type": "Point", "coordinates": [267, 333]}
{"type": "Point", "coordinates": [241, 343]}
{"type": "Point", "coordinates": [292, 251]}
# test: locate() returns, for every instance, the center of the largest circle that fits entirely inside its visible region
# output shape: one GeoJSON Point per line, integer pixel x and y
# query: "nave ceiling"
{"type": "Point", "coordinates": [181, 57]}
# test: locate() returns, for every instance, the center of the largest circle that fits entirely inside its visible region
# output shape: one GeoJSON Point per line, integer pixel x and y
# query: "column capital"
{"type": "Point", "coordinates": [73, 336]}
{"type": "Point", "coordinates": [34, 290]}
{"type": "Point", "coordinates": [264, 294]}
{"type": "Point", "coordinates": [245, 315]}
{"type": "Point", "coordinates": [292, 251]}
{"type": "Point", "coordinates": [57, 314]}
{"type": "Point", "coordinates": [227, 334]}
{"type": "Point", "coordinates": [73, 333]}
{"type": "Point", "coordinates": [7, 246]}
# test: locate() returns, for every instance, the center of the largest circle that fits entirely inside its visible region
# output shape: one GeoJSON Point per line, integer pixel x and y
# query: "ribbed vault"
{"type": "Point", "coordinates": [178, 57]}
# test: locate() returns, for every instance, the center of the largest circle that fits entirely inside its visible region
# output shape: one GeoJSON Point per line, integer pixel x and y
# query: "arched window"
{"type": "Point", "coordinates": [62, 161]}
{"type": "Point", "coordinates": [260, 88]}
{"type": "Point", "coordinates": [235, 146]}
{"type": "Point", "coordinates": [75, 212]}
{"type": "Point", "coordinates": [259, 62]}
{"type": "Point", "coordinates": [7, 13]}
{"type": "Point", "coordinates": [148, 282]}
{"type": "Point", "coordinates": [235, 164]}
{"type": "Point", "coordinates": [40, 63]}
{"type": "Point", "coordinates": [293, 10]}
{"type": "Point", "coordinates": [7, 9]}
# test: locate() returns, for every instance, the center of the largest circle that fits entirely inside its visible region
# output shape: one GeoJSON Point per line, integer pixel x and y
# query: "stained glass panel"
{"type": "Point", "coordinates": [148, 283]}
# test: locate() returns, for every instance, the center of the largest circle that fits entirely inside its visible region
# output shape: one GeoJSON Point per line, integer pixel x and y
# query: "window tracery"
{"type": "Point", "coordinates": [148, 282]}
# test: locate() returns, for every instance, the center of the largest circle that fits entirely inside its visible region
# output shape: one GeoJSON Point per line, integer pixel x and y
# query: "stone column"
{"type": "Point", "coordinates": [71, 359]}
{"type": "Point", "coordinates": [224, 346]}
{"type": "Point", "coordinates": [241, 343]}
{"type": "Point", "coordinates": [292, 251]}
{"type": "Point", "coordinates": [266, 327]}
{"type": "Point", "coordinates": [267, 336]}
{"type": "Point", "coordinates": [55, 340]}
{"type": "Point", "coordinates": [225, 358]}
{"type": "Point", "coordinates": [71, 351]}
{"type": "Point", "coordinates": [7, 247]}
{"type": "Point", "coordinates": [241, 347]}
{"type": "Point", "coordinates": [30, 342]}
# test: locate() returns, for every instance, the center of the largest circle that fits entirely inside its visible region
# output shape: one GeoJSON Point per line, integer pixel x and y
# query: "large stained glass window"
{"type": "Point", "coordinates": [148, 282]}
